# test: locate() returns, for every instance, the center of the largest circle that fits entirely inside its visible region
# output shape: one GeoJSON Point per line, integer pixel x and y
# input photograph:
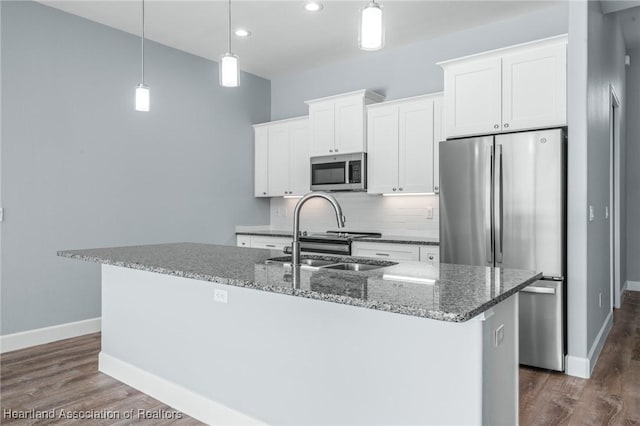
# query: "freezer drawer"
{"type": "Point", "coordinates": [542, 325]}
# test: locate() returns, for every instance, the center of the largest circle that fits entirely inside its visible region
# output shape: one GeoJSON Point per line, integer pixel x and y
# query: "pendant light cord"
{"type": "Point", "coordinates": [142, 43]}
{"type": "Point", "coordinates": [229, 33]}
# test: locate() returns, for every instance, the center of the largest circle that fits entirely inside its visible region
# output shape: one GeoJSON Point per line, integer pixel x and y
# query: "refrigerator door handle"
{"type": "Point", "coordinates": [489, 207]}
{"type": "Point", "coordinates": [498, 196]}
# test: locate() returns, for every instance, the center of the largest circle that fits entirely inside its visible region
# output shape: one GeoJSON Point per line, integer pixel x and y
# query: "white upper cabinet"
{"type": "Point", "coordinates": [438, 136]}
{"type": "Point", "coordinates": [279, 159]}
{"type": "Point", "coordinates": [261, 158]}
{"type": "Point", "coordinates": [401, 138]}
{"type": "Point", "coordinates": [382, 160]}
{"type": "Point", "coordinates": [338, 123]}
{"type": "Point", "coordinates": [415, 171]}
{"type": "Point", "coordinates": [472, 91]}
{"type": "Point", "coordinates": [300, 138]}
{"type": "Point", "coordinates": [282, 158]}
{"type": "Point", "coordinates": [534, 89]}
{"type": "Point", "coordinates": [517, 88]}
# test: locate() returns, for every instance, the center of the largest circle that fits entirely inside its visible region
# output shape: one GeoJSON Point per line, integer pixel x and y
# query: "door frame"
{"type": "Point", "coordinates": [614, 196]}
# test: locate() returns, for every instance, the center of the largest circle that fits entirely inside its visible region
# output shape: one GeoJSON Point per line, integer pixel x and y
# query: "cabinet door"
{"type": "Point", "coordinates": [279, 160]}
{"type": "Point", "coordinates": [382, 159]}
{"type": "Point", "coordinates": [416, 147]}
{"type": "Point", "coordinates": [261, 169]}
{"type": "Point", "coordinates": [386, 251]}
{"type": "Point", "coordinates": [322, 119]}
{"type": "Point", "coordinates": [438, 136]}
{"type": "Point", "coordinates": [300, 139]}
{"type": "Point", "coordinates": [243, 240]}
{"type": "Point", "coordinates": [534, 89]}
{"type": "Point", "coordinates": [430, 255]}
{"type": "Point", "coordinates": [349, 121]}
{"type": "Point", "coordinates": [473, 97]}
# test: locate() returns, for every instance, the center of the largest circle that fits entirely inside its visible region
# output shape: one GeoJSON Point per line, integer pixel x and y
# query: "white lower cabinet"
{"type": "Point", "coordinates": [386, 251]}
{"type": "Point", "coordinates": [430, 254]}
{"type": "Point", "coordinates": [258, 241]}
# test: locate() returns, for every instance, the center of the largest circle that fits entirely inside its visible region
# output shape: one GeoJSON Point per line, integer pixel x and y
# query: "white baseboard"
{"type": "Point", "coordinates": [633, 285]}
{"type": "Point", "coordinates": [40, 336]}
{"type": "Point", "coordinates": [583, 367]}
{"type": "Point", "coordinates": [172, 394]}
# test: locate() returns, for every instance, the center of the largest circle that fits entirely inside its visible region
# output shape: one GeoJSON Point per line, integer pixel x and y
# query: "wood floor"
{"type": "Point", "coordinates": [610, 397]}
{"type": "Point", "coordinates": [64, 376]}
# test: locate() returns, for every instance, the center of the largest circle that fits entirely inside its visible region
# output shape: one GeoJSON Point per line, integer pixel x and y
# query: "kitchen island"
{"type": "Point", "coordinates": [229, 337]}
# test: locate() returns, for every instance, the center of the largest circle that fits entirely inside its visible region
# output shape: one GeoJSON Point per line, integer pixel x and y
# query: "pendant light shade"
{"type": "Point", "coordinates": [229, 63]}
{"type": "Point", "coordinates": [371, 27]}
{"type": "Point", "coordinates": [142, 98]}
{"type": "Point", "coordinates": [142, 91]}
{"type": "Point", "coordinates": [229, 70]}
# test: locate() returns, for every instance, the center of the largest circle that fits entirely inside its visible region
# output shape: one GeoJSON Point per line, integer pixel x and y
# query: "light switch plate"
{"type": "Point", "coordinates": [430, 213]}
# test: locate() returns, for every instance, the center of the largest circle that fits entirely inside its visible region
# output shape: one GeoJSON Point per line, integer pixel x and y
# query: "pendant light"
{"type": "Point", "coordinates": [371, 27]}
{"type": "Point", "coordinates": [229, 66]}
{"type": "Point", "coordinates": [142, 91]}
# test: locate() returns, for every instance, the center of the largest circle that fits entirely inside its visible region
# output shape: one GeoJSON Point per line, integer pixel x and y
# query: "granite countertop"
{"type": "Point", "coordinates": [454, 293]}
{"type": "Point", "coordinates": [396, 239]}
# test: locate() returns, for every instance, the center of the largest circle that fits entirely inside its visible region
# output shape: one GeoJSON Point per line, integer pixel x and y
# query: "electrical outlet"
{"type": "Point", "coordinates": [499, 335]}
{"type": "Point", "coordinates": [220, 296]}
{"type": "Point", "coordinates": [430, 213]}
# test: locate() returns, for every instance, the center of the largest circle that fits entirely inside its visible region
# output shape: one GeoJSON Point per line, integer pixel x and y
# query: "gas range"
{"type": "Point", "coordinates": [332, 242]}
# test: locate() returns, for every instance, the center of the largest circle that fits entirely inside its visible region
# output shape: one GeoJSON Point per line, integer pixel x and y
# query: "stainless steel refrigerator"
{"type": "Point", "coordinates": [502, 204]}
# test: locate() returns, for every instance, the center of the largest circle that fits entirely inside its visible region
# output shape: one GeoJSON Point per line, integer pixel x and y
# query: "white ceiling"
{"type": "Point", "coordinates": [285, 36]}
{"type": "Point", "coordinates": [630, 21]}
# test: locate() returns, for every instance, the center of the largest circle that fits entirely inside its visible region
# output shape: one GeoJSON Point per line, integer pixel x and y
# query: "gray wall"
{"type": "Point", "coordinates": [633, 171]}
{"type": "Point", "coordinates": [81, 168]}
{"type": "Point", "coordinates": [410, 70]}
{"type": "Point", "coordinates": [596, 59]}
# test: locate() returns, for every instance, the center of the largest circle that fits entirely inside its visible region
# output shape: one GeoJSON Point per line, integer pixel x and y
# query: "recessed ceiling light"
{"type": "Point", "coordinates": [313, 6]}
{"type": "Point", "coordinates": [241, 32]}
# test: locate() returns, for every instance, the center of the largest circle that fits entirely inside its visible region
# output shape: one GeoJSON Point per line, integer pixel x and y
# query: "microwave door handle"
{"type": "Point", "coordinates": [346, 171]}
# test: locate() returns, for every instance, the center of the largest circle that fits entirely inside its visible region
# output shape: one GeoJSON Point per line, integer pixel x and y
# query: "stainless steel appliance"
{"type": "Point", "coordinates": [502, 201]}
{"type": "Point", "coordinates": [343, 172]}
{"type": "Point", "coordinates": [332, 242]}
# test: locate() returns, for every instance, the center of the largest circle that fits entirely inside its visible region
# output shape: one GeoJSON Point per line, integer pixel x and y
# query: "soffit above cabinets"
{"type": "Point", "coordinates": [285, 37]}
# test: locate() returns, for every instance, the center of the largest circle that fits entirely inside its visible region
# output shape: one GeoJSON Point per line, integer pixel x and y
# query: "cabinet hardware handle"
{"type": "Point", "coordinates": [436, 188]}
{"type": "Point", "coordinates": [394, 189]}
{"type": "Point", "coordinates": [330, 150]}
{"type": "Point", "coordinates": [270, 245]}
{"type": "Point", "coordinates": [382, 254]}
{"type": "Point", "coordinates": [506, 125]}
{"type": "Point", "coordinates": [244, 244]}
{"type": "Point", "coordinates": [336, 150]}
{"type": "Point", "coordinates": [264, 193]}
{"type": "Point", "coordinates": [399, 189]}
{"type": "Point", "coordinates": [430, 257]}
{"type": "Point", "coordinates": [496, 126]}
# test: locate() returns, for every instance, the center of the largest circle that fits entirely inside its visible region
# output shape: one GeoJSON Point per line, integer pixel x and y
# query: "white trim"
{"type": "Point", "coordinates": [172, 394]}
{"type": "Point", "coordinates": [583, 367]}
{"type": "Point", "coordinates": [368, 94]}
{"type": "Point", "coordinates": [40, 336]}
{"type": "Point", "coordinates": [577, 366]}
{"type": "Point", "coordinates": [284, 120]}
{"type": "Point", "coordinates": [543, 42]}
{"type": "Point", "coordinates": [633, 285]}
{"type": "Point", "coordinates": [410, 99]}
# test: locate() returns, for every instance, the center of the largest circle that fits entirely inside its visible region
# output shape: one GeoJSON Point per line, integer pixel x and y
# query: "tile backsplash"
{"type": "Point", "coordinates": [407, 215]}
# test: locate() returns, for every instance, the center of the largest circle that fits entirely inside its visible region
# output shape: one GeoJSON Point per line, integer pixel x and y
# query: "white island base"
{"type": "Point", "coordinates": [268, 358]}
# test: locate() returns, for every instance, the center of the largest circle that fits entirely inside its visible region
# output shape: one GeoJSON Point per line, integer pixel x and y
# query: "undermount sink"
{"type": "Point", "coordinates": [352, 267]}
{"type": "Point", "coordinates": [314, 262]}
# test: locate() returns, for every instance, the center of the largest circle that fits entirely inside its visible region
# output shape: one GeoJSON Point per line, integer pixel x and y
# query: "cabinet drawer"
{"type": "Point", "coordinates": [270, 243]}
{"type": "Point", "coordinates": [386, 251]}
{"type": "Point", "coordinates": [430, 254]}
{"type": "Point", "coordinates": [243, 240]}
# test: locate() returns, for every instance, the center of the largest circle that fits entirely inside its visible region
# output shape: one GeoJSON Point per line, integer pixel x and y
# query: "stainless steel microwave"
{"type": "Point", "coordinates": [341, 172]}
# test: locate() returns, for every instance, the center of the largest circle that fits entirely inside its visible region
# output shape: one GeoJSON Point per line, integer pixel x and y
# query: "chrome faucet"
{"type": "Point", "coordinates": [295, 246]}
